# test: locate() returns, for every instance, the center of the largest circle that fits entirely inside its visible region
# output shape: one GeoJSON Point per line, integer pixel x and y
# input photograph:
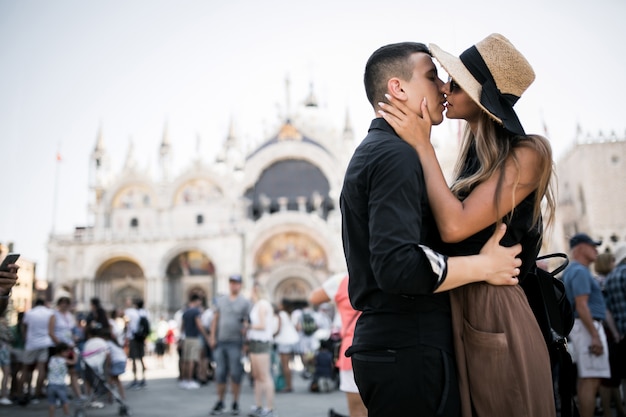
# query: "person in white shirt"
{"type": "Point", "coordinates": [95, 353]}
{"type": "Point", "coordinates": [61, 329]}
{"type": "Point", "coordinates": [136, 347]}
{"type": "Point", "coordinates": [286, 344]}
{"type": "Point", "coordinates": [260, 335]}
{"type": "Point", "coordinates": [116, 364]}
{"type": "Point", "coordinates": [160, 344]}
{"type": "Point", "coordinates": [37, 335]}
{"type": "Point", "coordinates": [118, 331]}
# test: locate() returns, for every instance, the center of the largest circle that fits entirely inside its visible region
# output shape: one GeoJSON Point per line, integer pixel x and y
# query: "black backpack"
{"type": "Point", "coordinates": [143, 329]}
{"type": "Point", "coordinates": [309, 326]}
{"type": "Point", "coordinates": [555, 316]}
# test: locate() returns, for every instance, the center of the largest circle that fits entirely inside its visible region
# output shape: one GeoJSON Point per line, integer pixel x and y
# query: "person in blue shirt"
{"type": "Point", "coordinates": [588, 339]}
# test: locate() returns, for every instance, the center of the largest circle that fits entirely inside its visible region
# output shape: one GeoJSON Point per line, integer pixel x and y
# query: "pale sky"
{"type": "Point", "coordinates": [69, 67]}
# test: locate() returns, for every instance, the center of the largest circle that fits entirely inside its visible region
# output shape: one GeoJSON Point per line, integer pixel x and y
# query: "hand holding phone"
{"type": "Point", "coordinates": [11, 258]}
{"type": "Point", "coordinates": [8, 277]}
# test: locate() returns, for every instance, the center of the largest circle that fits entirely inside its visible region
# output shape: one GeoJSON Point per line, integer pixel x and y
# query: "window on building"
{"type": "Point", "coordinates": [134, 223]}
{"type": "Point", "coordinates": [199, 219]}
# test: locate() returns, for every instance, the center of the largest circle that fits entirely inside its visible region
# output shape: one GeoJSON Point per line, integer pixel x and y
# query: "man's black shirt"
{"type": "Point", "coordinates": [386, 217]}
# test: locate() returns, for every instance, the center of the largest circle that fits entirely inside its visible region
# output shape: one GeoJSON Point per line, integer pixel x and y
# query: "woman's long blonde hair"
{"type": "Point", "coordinates": [493, 145]}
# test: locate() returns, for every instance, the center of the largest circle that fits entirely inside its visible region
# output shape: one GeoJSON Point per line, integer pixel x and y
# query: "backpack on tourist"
{"type": "Point", "coordinates": [309, 325]}
{"type": "Point", "coordinates": [143, 329]}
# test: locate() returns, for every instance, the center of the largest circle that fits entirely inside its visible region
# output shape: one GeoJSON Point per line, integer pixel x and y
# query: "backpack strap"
{"type": "Point", "coordinates": [561, 267]}
{"type": "Point", "coordinates": [547, 292]}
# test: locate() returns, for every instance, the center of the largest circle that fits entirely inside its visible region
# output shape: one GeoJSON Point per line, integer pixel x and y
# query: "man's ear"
{"type": "Point", "coordinates": [394, 86]}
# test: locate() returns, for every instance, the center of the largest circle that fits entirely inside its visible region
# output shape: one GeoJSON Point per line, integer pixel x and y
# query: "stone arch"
{"type": "Point", "coordinates": [269, 155]}
{"type": "Point", "coordinates": [291, 281]}
{"type": "Point", "coordinates": [289, 247]}
{"type": "Point", "coordinates": [194, 191]}
{"type": "Point", "coordinates": [134, 196]}
{"type": "Point", "coordinates": [117, 280]}
{"type": "Point", "coordinates": [290, 184]}
{"type": "Point", "coordinates": [122, 296]}
{"type": "Point", "coordinates": [199, 290]}
{"type": "Point", "coordinates": [292, 289]}
{"type": "Point", "coordinates": [186, 272]}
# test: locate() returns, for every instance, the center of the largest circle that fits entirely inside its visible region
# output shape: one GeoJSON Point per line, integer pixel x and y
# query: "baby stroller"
{"type": "Point", "coordinates": [95, 376]}
{"type": "Point", "coordinates": [325, 373]}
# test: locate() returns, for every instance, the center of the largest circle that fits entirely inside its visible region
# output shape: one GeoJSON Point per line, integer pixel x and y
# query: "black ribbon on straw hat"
{"type": "Point", "coordinates": [499, 104]}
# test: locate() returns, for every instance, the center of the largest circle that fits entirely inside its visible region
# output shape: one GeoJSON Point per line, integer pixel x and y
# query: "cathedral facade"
{"type": "Point", "coordinates": [270, 214]}
{"type": "Point", "coordinates": [591, 194]}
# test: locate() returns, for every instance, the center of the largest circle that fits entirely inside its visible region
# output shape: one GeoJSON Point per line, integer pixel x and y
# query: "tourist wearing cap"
{"type": "Point", "coordinates": [588, 339]}
{"type": "Point", "coordinates": [501, 176]}
{"type": "Point", "coordinates": [227, 335]}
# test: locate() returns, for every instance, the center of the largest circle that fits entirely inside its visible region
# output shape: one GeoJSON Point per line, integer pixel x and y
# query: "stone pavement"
{"type": "Point", "coordinates": [163, 398]}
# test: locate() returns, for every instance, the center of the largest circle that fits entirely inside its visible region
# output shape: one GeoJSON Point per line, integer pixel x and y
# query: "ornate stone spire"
{"type": "Point", "coordinates": [311, 100]}
{"type": "Point", "coordinates": [231, 152]}
{"type": "Point", "coordinates": [231, 138]}
{"type": "Point", "coordinates": [287, 98]}
{"type": "Point", "coordinates": [99, 141]}
{"type": "Point", "coordinates": [131, 163]}
{"type": "Point", "coordinates": [165, 154]}
{"type": "Point", "coordinates": [98, 154]}
{"type": "Point", "coordinates": [99, 168]}
{"type": "Point", "coordinates": [166, 146]}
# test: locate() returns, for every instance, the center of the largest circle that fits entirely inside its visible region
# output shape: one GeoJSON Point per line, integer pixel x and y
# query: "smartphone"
{"type": "Point", "coordinates": [11, 258]}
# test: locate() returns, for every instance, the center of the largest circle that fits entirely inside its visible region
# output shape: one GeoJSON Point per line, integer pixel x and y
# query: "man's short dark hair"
{"type": "Point", "coordinates": [194, 297]}
{"type": "Point", "coordinates": [39, 302]}
{"type": "Point", "coordinates": [387, 62]}
{"type": "Point", "coordinates": [138, 302]}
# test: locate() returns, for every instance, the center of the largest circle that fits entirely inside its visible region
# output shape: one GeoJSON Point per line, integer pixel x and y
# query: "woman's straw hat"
{"type": "Point", "coordinates": [494, 74]}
